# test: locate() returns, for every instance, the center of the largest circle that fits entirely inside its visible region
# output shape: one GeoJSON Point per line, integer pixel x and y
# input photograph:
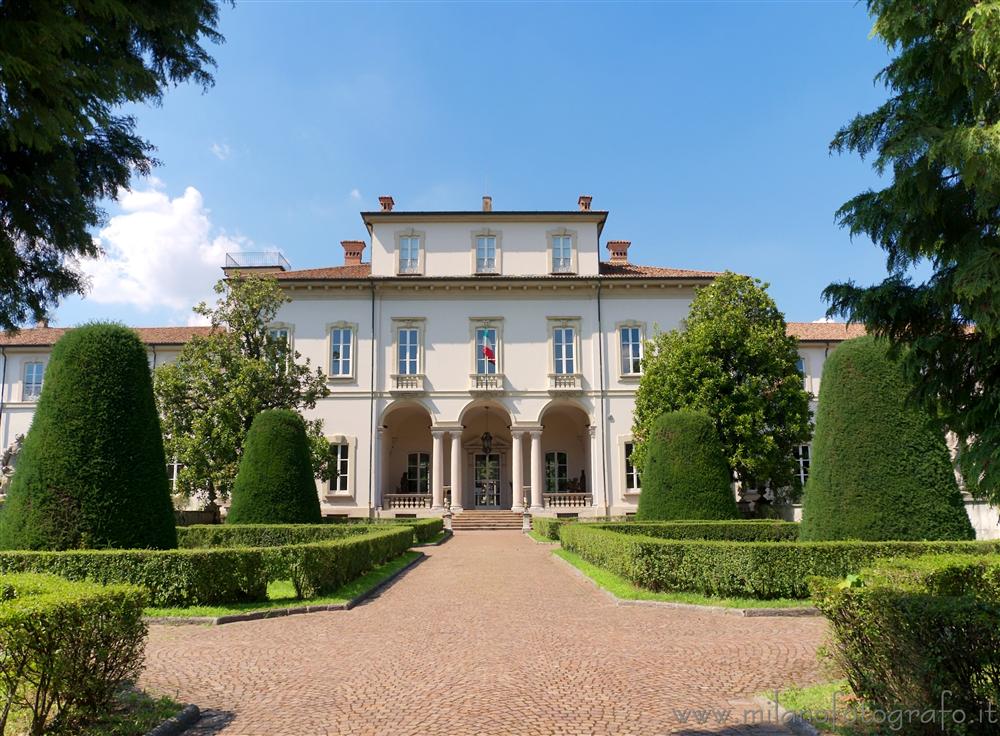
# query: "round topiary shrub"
{"type": "Point", "coordinates": [92, 472]}
{"type": "Point", "coordinates": [880, 467]}
{"type": "Point", "coordinates": [685, 475]}
{"type": "Point", "coordinates": [275, 482]}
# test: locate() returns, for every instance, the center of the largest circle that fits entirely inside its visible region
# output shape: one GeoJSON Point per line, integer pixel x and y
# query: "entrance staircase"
{"type": "Point", "coordinates": [483, 520]}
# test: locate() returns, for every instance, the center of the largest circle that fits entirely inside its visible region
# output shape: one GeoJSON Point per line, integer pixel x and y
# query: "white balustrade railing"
{"type": "Point", "coordinates": [407, 382]}
{"type": "Point", "coordinates": [486, 382]}
{"type": "Point", "coordinates": [566, 500]}
{"type": "Point", "coordinates": [565, 382]}
{"type": "Point", "coordinates": [407, 500]}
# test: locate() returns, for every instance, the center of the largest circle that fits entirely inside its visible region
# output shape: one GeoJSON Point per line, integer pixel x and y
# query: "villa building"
{"type": "Point", "coordinates": [478, 359]}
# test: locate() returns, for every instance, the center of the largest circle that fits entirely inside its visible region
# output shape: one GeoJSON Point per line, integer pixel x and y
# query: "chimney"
{"type": "Point", "coordinates": [584, 202]}
{"type": "Point", "coordinates": [386, 202]}
{"type": "Point", "coordinates": [619, 250]}
{"type": "Point", "coordinates": [487, 203]}
{"type": "Point", "coordinates": [353, 250]}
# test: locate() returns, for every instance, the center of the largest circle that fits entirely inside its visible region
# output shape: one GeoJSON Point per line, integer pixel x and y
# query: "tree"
{"type": "Point", "coordinates": [210, 396]}
{"type": "Point", "coordinates": [733, 361]}
{"type": "Point", "coordinates": [67, 68]}
{"type": "Point", "coordinates": [275, 484]}
{"type": "Point", "coordinates": [938, 137]}
{"type": "Point", "coordinates": [92, 471]}
{"type": "Point", "coordinates": [685, 475]}
{"type": "Point", "coordinates": [880, 466]}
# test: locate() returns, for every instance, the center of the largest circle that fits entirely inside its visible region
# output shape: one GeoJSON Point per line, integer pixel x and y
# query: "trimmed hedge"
{"type": "Point", "coordinates": [748, 530]}
{"type": "Point", "coordinates": [205, 536]}
{"type": "Point", "coordinates": [424, 530]}
{"type": "Point", "coordinates": [918, 635]}
{"type": "Point", "coordinates": [685, 475]}
{"type": "Point", "coordinates": [91, 472]}
{"type": "Point", "coordinates": [880, 466]}
{"type": "Point", "coordinates": [762, 570]}
{"type": "Point", "coordinates": [548, 527]}
{"type": "Point", "coordinates": [189, 577]}
{"type": "Point", "coordinates": [67, 647]}
{"type": "Point", "coordinates": [275, 483]}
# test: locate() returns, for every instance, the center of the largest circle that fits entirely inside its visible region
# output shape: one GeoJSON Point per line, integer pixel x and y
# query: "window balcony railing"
{"type": "Point", "coordinates": [409, 268]}
{"type": "Point", "coordinates": [562, 266]}
{"type": "Point", "coordinates": [486, 382]}
{"type": "Point", "coordinates": [561, 383]}
{"type": "Point", "coordinates": [566, 500]}
{"type": "Point", "coordinates": [406, 500]}
{"type": "Point", "coordinates": [407, 383]}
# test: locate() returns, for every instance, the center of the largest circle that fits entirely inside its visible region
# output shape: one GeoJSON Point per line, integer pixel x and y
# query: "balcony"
{"type": "Point", "coordinates": [406, 501]}
{"type": "Point", "coordinates": [566, 500]}
{"type": "Point", "coordinates": [269, 261]}
{"type": "Point", "coordinates": [486, 383]}
{"type": "Point", "coordinates": [409, 383]}
{"type": "Point", "coordinates": [565, 383]}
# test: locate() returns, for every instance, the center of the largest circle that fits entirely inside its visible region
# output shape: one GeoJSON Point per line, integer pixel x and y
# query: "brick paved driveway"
{"type": "Point", "coordinates": [488, 635]}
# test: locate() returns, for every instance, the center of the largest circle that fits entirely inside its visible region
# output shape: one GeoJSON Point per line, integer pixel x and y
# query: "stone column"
{"type": "Point", "coordinates": [382, 477]}
{"type": "Point", "coordinates": [517, 470]}
{"type": "Point", "coordinates": [456, 470]}
{"type": "Point", "coordinates": [595, 486]}
{"type": "Point", "coordinates": [437, 469]}
{"type": "Point", "coordinates": [537, 503]}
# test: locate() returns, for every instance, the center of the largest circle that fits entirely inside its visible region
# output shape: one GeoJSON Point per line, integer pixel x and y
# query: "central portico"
{"type": "Point", "coordinates": [486, 459]}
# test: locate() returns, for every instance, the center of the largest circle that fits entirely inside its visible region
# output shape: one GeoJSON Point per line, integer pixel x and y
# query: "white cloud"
{"type": "Point", "coordinates": [355, 194]}
{"type": "Point", "coordinates": [159, 253]}
{"type": "Point", "coordinates": [823, 320]}
{"type": "Point", "coordinates": [221, 151]}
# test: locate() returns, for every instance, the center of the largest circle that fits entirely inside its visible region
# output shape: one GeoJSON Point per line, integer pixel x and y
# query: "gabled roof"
{"type": "Point", "coordinates": [824, 331]}
{"type": "Point", "coordinates": [607, 270]}
{"type": "Point", "coordinates": [48, 336]}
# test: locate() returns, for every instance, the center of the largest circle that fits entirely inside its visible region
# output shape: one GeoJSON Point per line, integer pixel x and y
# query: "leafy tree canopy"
{"type": "Point", "coordinates": [66, 69]}
{"type": "Point", "coordinates": [938, 139]}
{"type": "Point", "coordinates": [733, 361]}
{"type": "Point", "coordinates": [209, 397]}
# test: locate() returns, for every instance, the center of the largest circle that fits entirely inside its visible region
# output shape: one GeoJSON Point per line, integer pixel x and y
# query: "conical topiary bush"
{"type": "Point", "coordinates": [92, 472]}
{"type": "Point", "coordinates": [880, 467]}
{"type": "Point", "coordinates": [275, 482]}
{"type": "Point", "coordinates": [685, 475]}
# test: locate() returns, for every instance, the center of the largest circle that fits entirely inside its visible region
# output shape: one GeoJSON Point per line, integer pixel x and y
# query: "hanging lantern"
{"type": "Point", "coordinates": [487, 438]}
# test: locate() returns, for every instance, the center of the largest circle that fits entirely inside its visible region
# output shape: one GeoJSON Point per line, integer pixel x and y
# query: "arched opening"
{"type": "Point", "coordinates": [566, 456]}
{"type": "Point", "coordinates": [486, 463]}
{"type": "Point", "coordinates": [406, 457]}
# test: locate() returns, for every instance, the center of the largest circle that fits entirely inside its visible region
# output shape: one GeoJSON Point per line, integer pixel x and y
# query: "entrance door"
{"type": "Point", "coordinates": [487, 479]}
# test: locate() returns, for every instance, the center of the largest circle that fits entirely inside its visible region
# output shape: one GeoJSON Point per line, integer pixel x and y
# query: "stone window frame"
{"type": "Point", "coordinates": [340, 325]}
{"type": "Point", "coordinates": [619, 326]}
{"type": "Point", "coordinates": [420, 325]}
{"type": "Point", "coordinates": [33, 397]}
{"type": "Point", "coordinates": [352, 454]}
{"type": "Point", "coordinates": [623, 440]}
{"type": "Point", "coordinates": [553, 324]}
{"type": "Point", "coordinates": [475, 323]}
{"type": "Point", "coordinates": [490, 233]}
{"type": "Point", "coordinates": [574, 267]}
{"type": "Point", "coordinates": [421, 258]}
{"type": "Point", "coordinates": [289, 328]}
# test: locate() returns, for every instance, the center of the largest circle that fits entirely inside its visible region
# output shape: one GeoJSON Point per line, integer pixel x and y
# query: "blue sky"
{"type": "Point", "coordinates": [702, 127]}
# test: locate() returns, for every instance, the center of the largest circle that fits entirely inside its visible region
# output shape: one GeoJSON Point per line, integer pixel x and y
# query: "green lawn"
{"type": "Point", "coordinates": [539, 538]}
{"type": "Point", "coordinates": [827, 706]}
{"type": "Point", "coordinates": [281, 594]}
{"type": "Point", "coordinates": [622, 588]}
{"type": "Point", "coordinates": [134, 714]}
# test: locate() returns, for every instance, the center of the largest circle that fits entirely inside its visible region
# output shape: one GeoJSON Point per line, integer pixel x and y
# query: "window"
{"type": "Point", "coordinates": [279, 335]}
{"type": "Point", "coordinates": [173, 472]}
{"type": "Point", "coordinates": [562, 254]}
{"type": "Point", "coordinates": [486, 350]}
{"type": "Point", "coordinates": [486, 254]}
{"type": "Point", "coordinates": [556, 472]}
{"type": "Point", "coordinates": [407, 351]}
{"type": "Point", "coordinates": [418, 472]}
{"type": "Point", "coordinates": [632, 480]}
{"type": "Point", "coordinates": [563, 350]}
{"type": "Point", "coordinates": [33, 375]}
{"type": "Point", "coordinates": [801, 454]}
{"type": "Point", "coordinates": [631, 350]}
{"type": "Point", "coordinates": [800, 366]}
{"type": "Point", "coordinates": [340, 459]}
{"type": "Point", "coordinates": [409, 254]}
{"type": "Point", "coordinates": [341, 345]}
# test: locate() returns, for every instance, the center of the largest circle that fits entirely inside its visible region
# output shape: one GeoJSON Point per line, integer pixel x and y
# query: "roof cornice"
{"type": "Point", "coordinates": [596, 216]}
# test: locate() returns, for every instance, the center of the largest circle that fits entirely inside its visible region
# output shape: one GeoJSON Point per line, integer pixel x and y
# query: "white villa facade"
{"type": "Point", "coordinates": [478, 360]}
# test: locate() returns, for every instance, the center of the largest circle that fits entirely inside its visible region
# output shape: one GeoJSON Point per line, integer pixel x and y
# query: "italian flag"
{"type": "Point", "coordinates": [488, 353]}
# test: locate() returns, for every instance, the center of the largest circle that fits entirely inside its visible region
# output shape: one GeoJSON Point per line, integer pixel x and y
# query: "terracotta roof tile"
{"type": "Point", "coordinates": [46, 336]}
{"type": "Point", "coordinates": [824, 331]}
{"type": "Point", "coordinates": [607, 270]}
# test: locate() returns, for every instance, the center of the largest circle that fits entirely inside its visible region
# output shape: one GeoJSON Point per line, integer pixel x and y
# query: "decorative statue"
{"type": "Point", "coordinates": [8, 459]}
